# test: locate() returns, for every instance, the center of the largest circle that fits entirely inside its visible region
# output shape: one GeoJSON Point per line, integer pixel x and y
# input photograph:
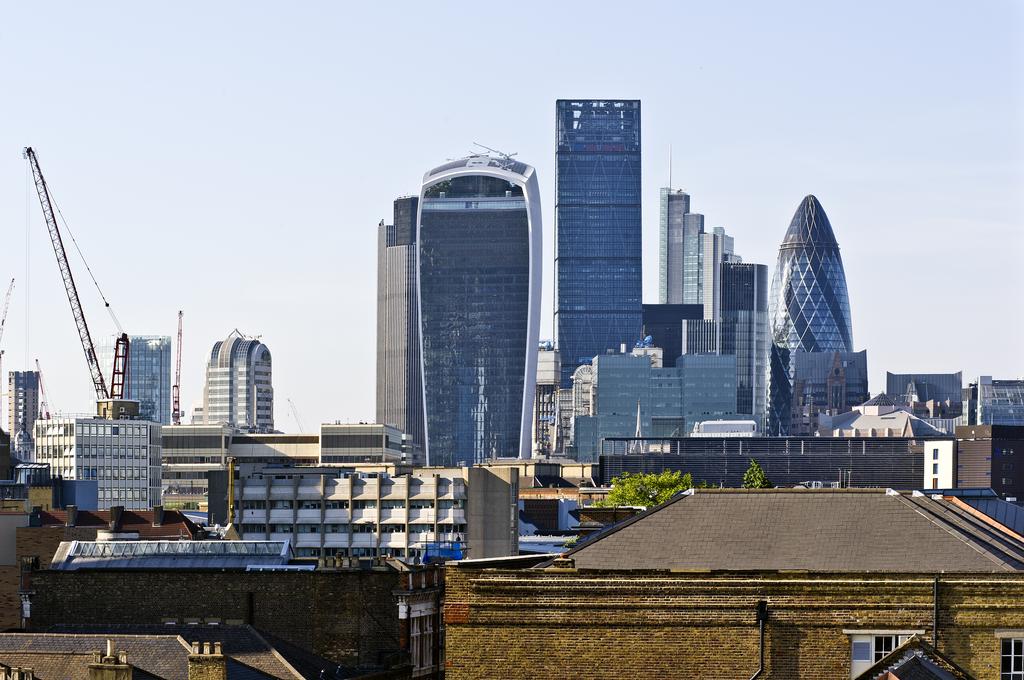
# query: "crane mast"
{"type": "Point", "coordinates": [46, 203]}
{"type": "Point", "coordinates": [176, 388]}
{"type": "Point", "coordinates": [44, 405]}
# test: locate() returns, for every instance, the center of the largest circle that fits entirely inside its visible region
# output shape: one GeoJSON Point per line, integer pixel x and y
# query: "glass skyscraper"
{"type": "Point", "coordinates": [597, 228]}
{"type": "Point", "coordinates": [149, 373]}
{"type": "Point", "coordinates": [744, 333]}
{"type": "Point", "coordinates": [479, 271]}
{"type": "Point", "coordinates": [809, 307]}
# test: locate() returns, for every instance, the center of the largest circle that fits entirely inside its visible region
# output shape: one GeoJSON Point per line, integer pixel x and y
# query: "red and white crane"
{"type": "Point", "coordinates": [120, 373]}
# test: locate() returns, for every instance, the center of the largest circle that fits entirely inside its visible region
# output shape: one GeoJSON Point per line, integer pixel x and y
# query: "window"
{"type": "Point", "coordinates": [1012, 667]}
{"type": "Point", "coordinates": [883, 645]}
{"type": "Point", "coordinates": [935, 454]}
{"type": "Point", "coordinates": [935, 468]}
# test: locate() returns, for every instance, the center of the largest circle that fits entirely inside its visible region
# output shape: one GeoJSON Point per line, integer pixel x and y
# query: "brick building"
{"type": "Point", "coordinates": [987, 457]}
{"type": "Point", "coordinates": [845, 578]}
{"type": "Point", "coordinates": [378, 614]}
{"type": "Point", "coordinates": [36, 536]}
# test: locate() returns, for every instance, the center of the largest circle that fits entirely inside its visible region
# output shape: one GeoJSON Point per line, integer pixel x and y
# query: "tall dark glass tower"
{"type": "Point", "coordinates": [744, 333]}
{"type": "Point", "coordinates": [399, 376]}
{"type": "Point", "coordinates": [809, 307]}
{"type": "Point", "coordinates": [597, 228]}
{"type": "Point", "coordinates": [479, 247]}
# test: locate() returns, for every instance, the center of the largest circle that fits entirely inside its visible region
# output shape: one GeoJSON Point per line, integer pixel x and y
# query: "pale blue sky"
{"type": "Point", "coordinates": [234, 159]}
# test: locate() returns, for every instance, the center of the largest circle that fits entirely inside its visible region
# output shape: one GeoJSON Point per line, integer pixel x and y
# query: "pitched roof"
{"type": "Point", "coordinates": [880, 399]}
{"type": "Point", "coordinates": [174, 525]}
{"type": "Point", "coordinates": [915, 659]}
{"type": "Point", "coordinates": [804, 529]}
{"type": "Point", "coordinates": [217, 554]}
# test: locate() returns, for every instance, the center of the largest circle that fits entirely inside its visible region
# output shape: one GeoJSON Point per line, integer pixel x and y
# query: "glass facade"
{"type": "Point", "coordinates": [149, 373]}
{"type": "Point", "coordinates": [474, 292]}
{"type": "Point", "coordinates": [629, 391]}
{"type": "Point", "coordinates": [911, 387]}
{"type": "Point", "coordinates": [664, 323]}
{"type": "Point", "coordinates": [809, 307]}
{"type": "Point", "coordinates": [744, 333]}
{"type": "Point", "coordinates": [22, 411]}
{"type": "Point", "coordinates": [597, 229]}
{"type": "Point", "coordinates": [994, 402]}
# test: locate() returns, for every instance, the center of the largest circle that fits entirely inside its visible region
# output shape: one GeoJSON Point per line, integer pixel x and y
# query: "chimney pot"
{"type": "Point", "coordinates": [195, 647]}
{"type": "Point", "coordinates": [216, 648]}
{"type": "Point", "coordinates": [110, 648]}
{"type": "Point", "coordinates": [206, 648]}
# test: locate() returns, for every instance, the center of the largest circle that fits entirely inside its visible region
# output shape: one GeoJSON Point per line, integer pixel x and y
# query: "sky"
{"type": "Point", "coordinates": [233, 159]}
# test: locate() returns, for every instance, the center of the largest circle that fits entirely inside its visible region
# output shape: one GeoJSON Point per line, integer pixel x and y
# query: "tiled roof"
{"type": "Point", "coordinates": [804, 529]}
{"type": "Point", "coordinates": [174, 524]}
{"type": "Point", "coordinates": [162, 650]}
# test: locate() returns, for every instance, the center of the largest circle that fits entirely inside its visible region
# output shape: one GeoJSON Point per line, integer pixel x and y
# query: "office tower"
{"type": "Point", "coordinates": [744, 333]}
{"type": "Point", "coordinates": [22, 411]}
{"type": "Point", "coordinates": [149, 373]}
{"type": "Point", "coordinates": [932, 396]}
{"type": "Point", "coordinates": [808, 306]}
{"type": "Point", "coordinates": [479, 298]}
{"type": "Point", "coordinates": [630, 390]}
{"type": "Point", "coordinates": [825, 384]}
{"type": "Point", "coordinates": [545, 399]}
{"type": "Point", "coordinates": [664, 323]}
{"type": "Point", "coordinates": [597, 228]}
{"type": "Point", "coordinates": [993, 402]}
{"type": "Point", "coordinates": [691, 258]}
{"type": "Point", "coordinates": [399, 378]}
{"type": "Point", "coordinates": [122, 456]}
{"type": "Point", "coordinates": [239, 391]}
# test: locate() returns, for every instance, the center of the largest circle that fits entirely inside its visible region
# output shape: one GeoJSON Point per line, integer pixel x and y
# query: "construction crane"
{"type": "Point", "coordinates": [3, 320]}
{"type": "Point", "coordinates": [44, 404]}
{"type": "Point", "coordinates": [295, 414]}
{"type": "Point", "coordinates": [176, 388]}
{"type": "Point", "coordinates": [120, 373]}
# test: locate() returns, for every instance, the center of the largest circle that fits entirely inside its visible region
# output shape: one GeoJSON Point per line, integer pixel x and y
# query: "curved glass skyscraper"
{"type": "Point", "coordinates": [479, 267]}
{"type": "Point", "coordinates": [809, 308]}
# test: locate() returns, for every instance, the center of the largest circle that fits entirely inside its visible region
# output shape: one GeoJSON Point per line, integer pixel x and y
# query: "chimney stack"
{"type": "Point", "coordinates": [207, 662]}
{"type": "Point", "coordinates": [72, 520]}
{"type": "Point", "coordinates": [116, 517]}
{"type": "Point", "coordinates": [158, 515]}
{"type": "Point", "coordinates": [110, 665]}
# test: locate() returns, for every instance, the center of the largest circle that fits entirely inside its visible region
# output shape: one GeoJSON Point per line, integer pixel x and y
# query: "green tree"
{"type": "Point", "coordinates": [645, 490]}
{"type": "Point", "coordinates": [755, 478]}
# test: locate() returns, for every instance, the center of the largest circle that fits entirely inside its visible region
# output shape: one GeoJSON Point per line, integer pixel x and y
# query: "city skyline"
{"type": "Point", "coordinates": [222, 202]}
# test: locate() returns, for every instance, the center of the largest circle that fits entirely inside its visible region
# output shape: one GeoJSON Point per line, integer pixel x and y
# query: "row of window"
{"type": "Point", "coordinates": [368, 528]}
{"type": "Point", "coordinates": [442, 504]}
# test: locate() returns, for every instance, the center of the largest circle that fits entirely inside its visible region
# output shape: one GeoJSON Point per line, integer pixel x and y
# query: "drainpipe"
{"type": "Point", "coordinates": [935, 612]}
{"type": "Point", "coordinates": [762, 616]}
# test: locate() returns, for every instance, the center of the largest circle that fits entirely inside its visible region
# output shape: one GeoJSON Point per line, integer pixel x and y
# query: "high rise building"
{"type": "Point", "coordinates": [664, 323]}
{"type": "Point", "coordinates": [399, 375]}
{"type": "Point", "coordinates": [808, 307]}
{"type": "Point", "coordinates": [744, 333]}
{"type": "Point", "coordinates": [631, 392]}
{"type": "Point", "coordinates": [993, 402]}
{"type": "Point", "coordinates": [239, 391]}
{"type": "Point", "coordinates": [122, 456]}
{"type": "Point", "coordinates": [545, 401]}
{"type": "Point", "coordinates": [825, 384]}
{"type": "Point", "coordinates": [479, 272]}
{"type": "Point", "coordinates": [597, 228]}
{"type": "Point", "coordinates": [691, 258]}
{"type": "Point", "coordinates": [22, 411]}
{"type": "Point", "coordinates": [149, 373]}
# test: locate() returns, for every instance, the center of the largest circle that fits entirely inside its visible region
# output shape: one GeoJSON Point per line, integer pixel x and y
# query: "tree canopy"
{"type": "Point", "coordinates": [646, 489]}
{"type": "Point", "coordinates": [755, 478]}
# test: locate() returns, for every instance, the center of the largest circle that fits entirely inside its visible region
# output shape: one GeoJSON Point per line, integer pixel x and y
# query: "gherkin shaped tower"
{"type": "Point", "coordinates": [809, 308]}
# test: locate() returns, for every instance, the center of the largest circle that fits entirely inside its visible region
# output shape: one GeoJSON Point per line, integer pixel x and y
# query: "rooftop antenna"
{"type": "Point", "coordinates": [506, 156]}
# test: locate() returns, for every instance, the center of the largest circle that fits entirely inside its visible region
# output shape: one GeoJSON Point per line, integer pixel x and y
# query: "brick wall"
{"type": "Point", "coordinates": [703, 625]}
{"type": "Point", "coordinates": [350, 617]}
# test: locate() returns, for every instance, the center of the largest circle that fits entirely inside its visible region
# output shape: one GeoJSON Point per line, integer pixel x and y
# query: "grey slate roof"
{"type": "Point", "coordinates": [155, 651]}
{"type": "Point", "coordinates": [804, 529]}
